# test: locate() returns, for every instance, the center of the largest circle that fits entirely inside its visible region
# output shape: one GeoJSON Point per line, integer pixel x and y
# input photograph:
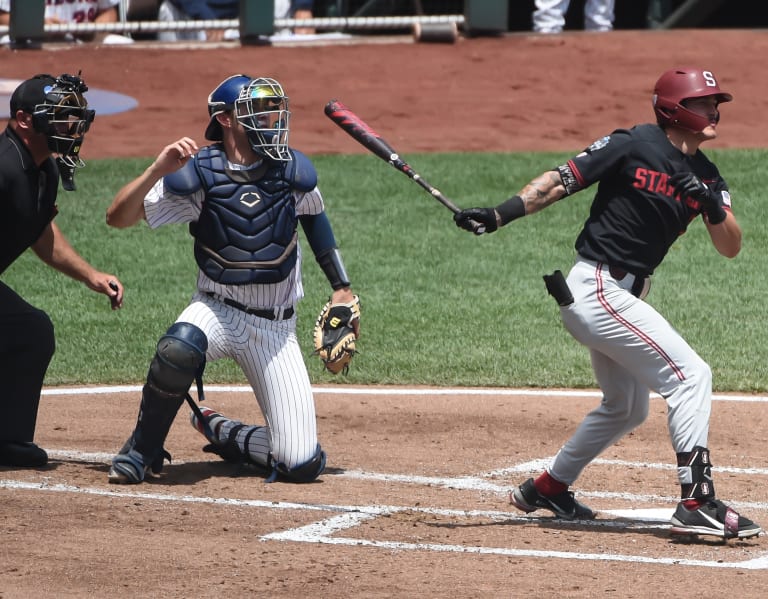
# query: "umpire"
{"type": "Point", "coordinates": [48, 121]}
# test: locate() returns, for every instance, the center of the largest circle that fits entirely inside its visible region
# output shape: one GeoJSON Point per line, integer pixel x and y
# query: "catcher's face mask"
{"type": "Point", "coordinates": [262, 109]}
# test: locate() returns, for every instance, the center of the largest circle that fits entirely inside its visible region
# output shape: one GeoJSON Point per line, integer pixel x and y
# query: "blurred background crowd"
{"type": "Point", "coordinates": [540, 16]}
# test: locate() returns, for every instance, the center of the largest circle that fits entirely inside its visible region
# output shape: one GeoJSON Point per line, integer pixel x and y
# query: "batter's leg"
{"type": "Point", "coordinates": [624, 406]}
{"type": "Point", "coordinates": [606, 317]}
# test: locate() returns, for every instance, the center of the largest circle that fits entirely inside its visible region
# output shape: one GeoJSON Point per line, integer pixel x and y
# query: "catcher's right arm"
{"type": "Point", "coordinates": [335, 334]}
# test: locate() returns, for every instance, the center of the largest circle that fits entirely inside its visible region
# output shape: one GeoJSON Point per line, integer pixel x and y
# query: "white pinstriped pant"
{"type": "Point", "coordinates": [269, 355]}
{"type": "Point", "coordinates": [633, 350]}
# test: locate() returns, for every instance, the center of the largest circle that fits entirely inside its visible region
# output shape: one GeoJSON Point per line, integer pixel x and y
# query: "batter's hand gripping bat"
{"type": "Point", "coordinates": [359, 130]}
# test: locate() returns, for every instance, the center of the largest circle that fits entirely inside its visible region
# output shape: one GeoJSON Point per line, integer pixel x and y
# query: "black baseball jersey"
{"type": "Point", "coordinates": [636, 215]}
{"type": "Point", "coordinates": [27, 197]}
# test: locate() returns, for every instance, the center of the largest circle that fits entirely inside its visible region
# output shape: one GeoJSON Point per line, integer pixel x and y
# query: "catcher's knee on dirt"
{"type": "Point", "coordinates": [303, 473]}
{"type": "Point", "coordinates": [179, 358]}
{"type": "Point", "coordinates": [695, 471]}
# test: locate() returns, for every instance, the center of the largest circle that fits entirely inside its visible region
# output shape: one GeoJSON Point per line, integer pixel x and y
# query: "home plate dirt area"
{"type": "Point", "coordinates": [414, 503]}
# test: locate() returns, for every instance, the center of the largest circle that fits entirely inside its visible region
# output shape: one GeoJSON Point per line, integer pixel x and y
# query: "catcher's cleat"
{"type": "Point", "coordinates": [212, 418]}
{"type": "Point", "coordinates": [129, 468]}
{"type": "Point", "coordinates": [563, 505]}
{"type": "Point", "coordinates": [713, 518]}
{"type": "Point", "coordinates": [227, 449]}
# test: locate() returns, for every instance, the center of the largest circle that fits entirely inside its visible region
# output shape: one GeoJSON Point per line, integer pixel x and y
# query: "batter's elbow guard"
{"type": "Point", "coordinates": [303, 473]}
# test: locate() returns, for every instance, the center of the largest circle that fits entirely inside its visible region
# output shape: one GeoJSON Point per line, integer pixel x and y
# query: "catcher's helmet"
{"type": "Point", "coordinates": [59, 111]}
{"type": "Point", "coordinates": [223, 99]}
{"type": "Point", "coordinates": [262, 109]}
{"type": "Point", "coordinates": [677, 85]}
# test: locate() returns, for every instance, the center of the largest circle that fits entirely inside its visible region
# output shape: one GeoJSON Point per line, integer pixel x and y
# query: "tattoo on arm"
{"type": "Point", "coordinates": [543, 191]}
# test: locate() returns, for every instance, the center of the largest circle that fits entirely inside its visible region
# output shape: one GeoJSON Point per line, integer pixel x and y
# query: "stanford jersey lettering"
{"type": "Point", "coordinates": [653, 181]}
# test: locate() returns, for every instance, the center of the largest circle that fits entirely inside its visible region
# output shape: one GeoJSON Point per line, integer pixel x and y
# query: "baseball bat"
{"type": "Point", "coordinates": [362, 133]}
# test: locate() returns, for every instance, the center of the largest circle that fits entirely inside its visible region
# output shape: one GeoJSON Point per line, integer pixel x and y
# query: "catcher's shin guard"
{"type": "Point", "coordinates": [695, 472]}
{"type": "Point", "coordinates": [179, 359]}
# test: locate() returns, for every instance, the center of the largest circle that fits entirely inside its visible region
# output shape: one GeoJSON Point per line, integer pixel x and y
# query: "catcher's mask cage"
{"type": "Point", "coordinates": [64, 118]}
{"type": "Point", "coordinates": [222, 99]}
{"type": "Point", "coordinates": [262, 109]}
{"type": "Point", "coordinates": [678, 85]}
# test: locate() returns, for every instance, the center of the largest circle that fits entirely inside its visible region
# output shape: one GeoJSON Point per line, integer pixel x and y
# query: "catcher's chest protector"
{"type": "Point", "coordinates": [246, 232]}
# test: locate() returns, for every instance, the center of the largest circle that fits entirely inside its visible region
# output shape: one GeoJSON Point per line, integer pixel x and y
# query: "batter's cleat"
{"type": "Point", "coordinates": [563, 505]}
{"type": "Point", "coordinates": [713, 518]}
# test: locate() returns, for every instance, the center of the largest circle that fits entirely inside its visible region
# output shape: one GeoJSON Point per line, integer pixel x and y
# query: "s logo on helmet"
{"type": "Point", "coordinates": [709, 78]}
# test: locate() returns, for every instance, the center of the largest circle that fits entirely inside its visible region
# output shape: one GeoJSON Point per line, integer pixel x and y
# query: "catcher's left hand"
{"type": "Point", "coordinates": [335, 334]}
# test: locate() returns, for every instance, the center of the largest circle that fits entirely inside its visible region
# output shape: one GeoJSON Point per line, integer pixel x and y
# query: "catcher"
{"type": "Point", "coordinates": [243, 197]}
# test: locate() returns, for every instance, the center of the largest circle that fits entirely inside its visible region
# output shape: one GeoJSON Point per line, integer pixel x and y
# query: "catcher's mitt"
{"type": "Point", "coordinates": [335, 333]}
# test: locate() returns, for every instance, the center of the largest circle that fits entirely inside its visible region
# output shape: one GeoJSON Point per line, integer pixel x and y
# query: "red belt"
{"type": "Point", "coordinates": [619, 273]}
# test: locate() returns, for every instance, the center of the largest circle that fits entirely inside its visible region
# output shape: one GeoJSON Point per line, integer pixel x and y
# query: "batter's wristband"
{"type": "Point", "coordinates": [333, 267]}
{"type": "Point", "coordinates": [513, 208]}
{"type": "Point", "coordinates": [716, 215]}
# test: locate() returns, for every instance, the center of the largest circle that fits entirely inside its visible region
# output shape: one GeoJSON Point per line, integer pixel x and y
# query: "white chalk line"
{"type": "Point", "coordinates": [350, 516]}
{"type": "Point", "coordinates": [393, 391]}
{"type": "Point", "coordinates": [472, 483]}
{"type": "Point", "coordinates": [324, 531]}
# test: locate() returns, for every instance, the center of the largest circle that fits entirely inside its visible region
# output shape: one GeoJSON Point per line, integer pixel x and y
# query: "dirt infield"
{"type": "Point", "coordinates": [414, 503]}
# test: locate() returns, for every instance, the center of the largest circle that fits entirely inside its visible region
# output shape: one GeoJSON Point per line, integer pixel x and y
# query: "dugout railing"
{"type": "Point", "coordinates": [256, 22]}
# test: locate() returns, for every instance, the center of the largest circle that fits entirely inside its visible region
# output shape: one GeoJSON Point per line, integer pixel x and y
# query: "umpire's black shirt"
{"type": "Point", "coordinates": [27, 197]}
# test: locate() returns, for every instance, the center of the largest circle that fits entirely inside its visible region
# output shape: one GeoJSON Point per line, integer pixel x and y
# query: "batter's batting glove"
{"type": "Point", "coordinates": [687, 184]}
{"type": "Point", "coordinates": [484, 216]}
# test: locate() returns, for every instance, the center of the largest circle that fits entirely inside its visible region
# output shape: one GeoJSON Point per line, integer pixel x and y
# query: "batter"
{"type": "Point", "coordinates": [243, 198]}
{"type": "Point", "coordinates": [653, 181]}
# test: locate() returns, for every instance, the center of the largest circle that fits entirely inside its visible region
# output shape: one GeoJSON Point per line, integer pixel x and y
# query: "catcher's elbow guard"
{"type": "Point", "coordinates": [333, 267]}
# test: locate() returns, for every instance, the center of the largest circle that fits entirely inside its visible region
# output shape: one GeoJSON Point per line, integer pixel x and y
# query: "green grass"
{"type": "Point", "coordinates": [440, 306]}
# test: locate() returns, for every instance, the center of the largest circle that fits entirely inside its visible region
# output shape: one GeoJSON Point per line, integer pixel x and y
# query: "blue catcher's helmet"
{"type": "Point", "coordinates": [223, 99]}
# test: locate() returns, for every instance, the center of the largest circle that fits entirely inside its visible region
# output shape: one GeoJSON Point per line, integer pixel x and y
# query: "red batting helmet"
{"type": "Point", "coordinates": [677, 85]}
